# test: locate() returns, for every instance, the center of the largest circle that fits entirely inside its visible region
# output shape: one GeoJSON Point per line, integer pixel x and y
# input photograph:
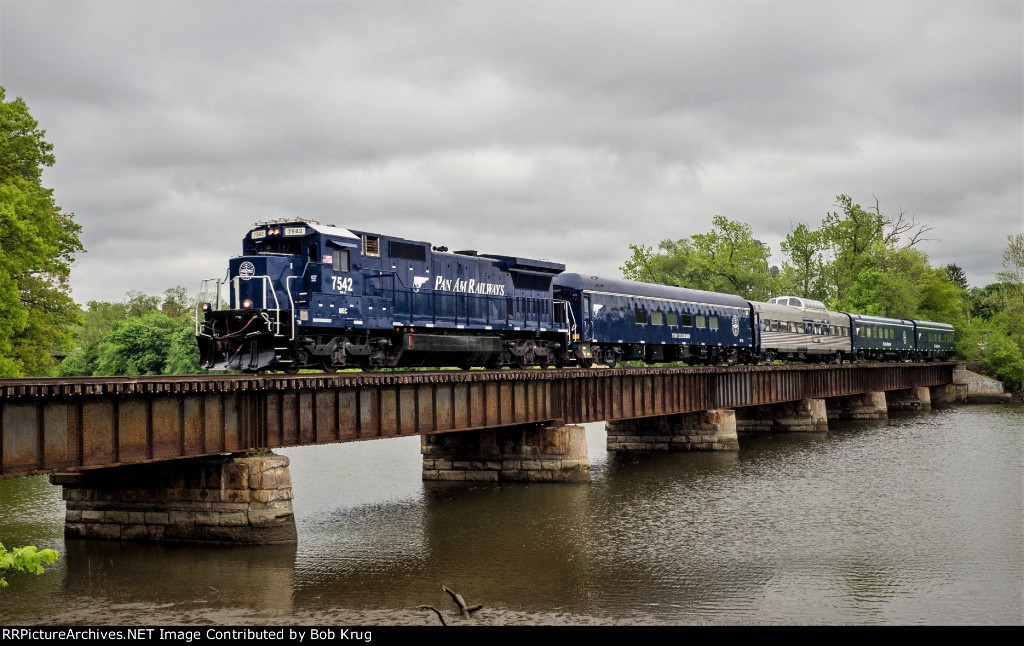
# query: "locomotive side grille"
{"type": "Point", "coordinates": [406, 251]}
{"type": "Point", "coordinates": [371, 246]}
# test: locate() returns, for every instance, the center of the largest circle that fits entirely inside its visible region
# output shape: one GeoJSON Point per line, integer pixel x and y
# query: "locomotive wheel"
{"type": "Point", "coordinates": [328, 365]}
{"type": "Point", "coordinates": [585, 363]}
{"type": "Point", "coordinates": [544, 362]}
{"type": "Point", "coordinates": [365, 366]}
{"type": "Point", "coordinates": [520, 361]}
{"type": "Point", "coordinates": [291, 370]}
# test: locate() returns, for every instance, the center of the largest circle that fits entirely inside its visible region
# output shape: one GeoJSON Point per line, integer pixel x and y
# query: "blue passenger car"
{"type": "Point", "coordinates": [876, 337]}
{"type": "Point", "coordinates": [934, 340]}
{"type": "Point", "coordinates": [613, 320]}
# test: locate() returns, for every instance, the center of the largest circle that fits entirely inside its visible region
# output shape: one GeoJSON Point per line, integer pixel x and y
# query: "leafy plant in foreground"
{"type": "Point", "coordinates": [24, 559]}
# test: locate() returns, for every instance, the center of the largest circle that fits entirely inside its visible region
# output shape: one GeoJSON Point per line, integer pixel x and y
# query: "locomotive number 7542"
{"type": "Point", "coordinates": [342, 284]}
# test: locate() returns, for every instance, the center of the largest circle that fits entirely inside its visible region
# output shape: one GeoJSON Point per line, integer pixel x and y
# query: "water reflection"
{"type": "Point", "coordinates": [259, 577]}
{"type": "Point", "coordinates": [912, 520]}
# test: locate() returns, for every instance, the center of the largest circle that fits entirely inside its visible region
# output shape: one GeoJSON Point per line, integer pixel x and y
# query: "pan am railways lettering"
{"type": "Point", "coordinates": [468, 287]}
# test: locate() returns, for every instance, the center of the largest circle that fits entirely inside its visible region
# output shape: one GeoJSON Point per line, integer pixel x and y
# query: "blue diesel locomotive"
{"type": "Point", "coordinates": [304, 294]}
{"type": "Point", "coordinates": [307, 295]}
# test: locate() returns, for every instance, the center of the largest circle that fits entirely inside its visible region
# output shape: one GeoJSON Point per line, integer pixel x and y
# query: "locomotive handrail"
{"type": "Point", "coordinates": [291, 304]}
{"type": "Point", "coordinates": [199, 302]}
{"type": "Point", "coordinates": [265, 282]}
{"type": "Point", "coordinates": [570, 328]}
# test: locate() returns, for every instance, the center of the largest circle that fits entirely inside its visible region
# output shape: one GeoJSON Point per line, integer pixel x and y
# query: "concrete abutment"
{"type": "Point", "coordinates": [219, 499]}
{"type": "Point", "coordinates": [949, 394]}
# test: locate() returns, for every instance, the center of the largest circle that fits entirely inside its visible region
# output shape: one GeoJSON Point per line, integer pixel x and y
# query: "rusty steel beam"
{"type": "Point", "coordinates": [49, 425]}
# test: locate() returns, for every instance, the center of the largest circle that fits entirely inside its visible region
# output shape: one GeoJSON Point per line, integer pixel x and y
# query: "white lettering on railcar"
{"type": "Point", "coordinates": [470, 286]}
{"type": "Point", "coordinates": [680, 335]}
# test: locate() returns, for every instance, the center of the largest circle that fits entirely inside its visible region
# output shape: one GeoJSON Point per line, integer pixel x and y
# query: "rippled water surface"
{"type": "Point", "coordinates": [914, 520]}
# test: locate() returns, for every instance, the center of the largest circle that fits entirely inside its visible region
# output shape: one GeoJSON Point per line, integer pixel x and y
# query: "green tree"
{"type": "Point", "coordinates": [97, 320]}
{"type": "Point", "coordinates": [177, 302]}
{"type": "Point", "coordinates": [986, 301]}
{"type": "Point", "coordinates": [24, 559]}
{"type": "Point", "coordinates": [1004, 360]}
{"type": "Point", "coordinates": [1010, 316]}
{"type": "Point", "coordinates": [144, 334]}
{"type": "Point", "coordinates": [802, 274]}
{"type": "Point", "coordinates": [139, 304]}
{"type": "Point", "coordinates": [136, 346]}
{"type": "Point", "coordinates": [957, 275]}
{"type": "Point", "coordinates": [725, 259]}
{"type": "Point", "coordinates": [183, 352]}
{"type": "Point", "coordinates": [849, 236]}
{"type": "Point", "coordinates": [38, 242]}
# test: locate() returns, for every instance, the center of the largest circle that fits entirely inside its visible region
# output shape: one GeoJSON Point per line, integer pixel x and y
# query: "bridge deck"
{"type": "Point", "coordinates": [49, 425]}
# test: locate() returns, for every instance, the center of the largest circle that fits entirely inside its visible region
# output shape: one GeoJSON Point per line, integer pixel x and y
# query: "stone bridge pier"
{"type": "Point", "coordinates": [521, 453]}
{"type": "Point", "coordinates": [219, 499]}
{"type": "Point", "coordinates": [804, 415]}
{"type": "Point", "coordinates": [708, 430]}
{"type": "Point", "coordinates": [869, 405]}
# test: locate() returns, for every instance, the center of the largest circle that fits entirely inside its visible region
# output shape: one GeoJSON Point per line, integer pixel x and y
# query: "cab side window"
{"type": "Point", "coordinates": [339, 259]}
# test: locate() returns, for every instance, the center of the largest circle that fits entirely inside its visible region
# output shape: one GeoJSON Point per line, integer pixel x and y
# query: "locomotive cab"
{"type": "Point", "coordinates": [250, 319]}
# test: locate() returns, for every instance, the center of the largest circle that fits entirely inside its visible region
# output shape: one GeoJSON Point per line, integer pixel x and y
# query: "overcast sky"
{"type": "Point", "coordinates": [556, 130]}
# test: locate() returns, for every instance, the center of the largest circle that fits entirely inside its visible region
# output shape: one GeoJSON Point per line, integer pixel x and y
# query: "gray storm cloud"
{"type": "Point", "coordinates": [557, 130]}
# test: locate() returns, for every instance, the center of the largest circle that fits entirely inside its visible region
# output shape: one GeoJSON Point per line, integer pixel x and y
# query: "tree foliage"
{"type": "Point", "coordinates": [725, 259]}
{"type": "Point", "coordinates": [143, 335]}
{"type": "Point", "coordinates": [38, 243]}
{"type": "Point", "coordinates": [24, 559]}
{"type": "Point", "coordinates": [957, 276]}
{"type": "Point", "coordinates": [803, 272]}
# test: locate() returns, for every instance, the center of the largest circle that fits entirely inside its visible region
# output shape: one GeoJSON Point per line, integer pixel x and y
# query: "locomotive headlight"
{"type": "Point", "coordinates": [247, 304]}
{"type": "Point", "coordinates": [207, 307]}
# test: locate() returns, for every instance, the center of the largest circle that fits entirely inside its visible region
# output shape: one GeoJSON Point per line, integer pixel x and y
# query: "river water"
{"type": "Point", "coordinates": [913, 520]}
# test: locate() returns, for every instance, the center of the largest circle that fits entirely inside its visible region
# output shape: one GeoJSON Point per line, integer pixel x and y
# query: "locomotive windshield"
{"type": "Point", "coordinates": [275, 246]}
